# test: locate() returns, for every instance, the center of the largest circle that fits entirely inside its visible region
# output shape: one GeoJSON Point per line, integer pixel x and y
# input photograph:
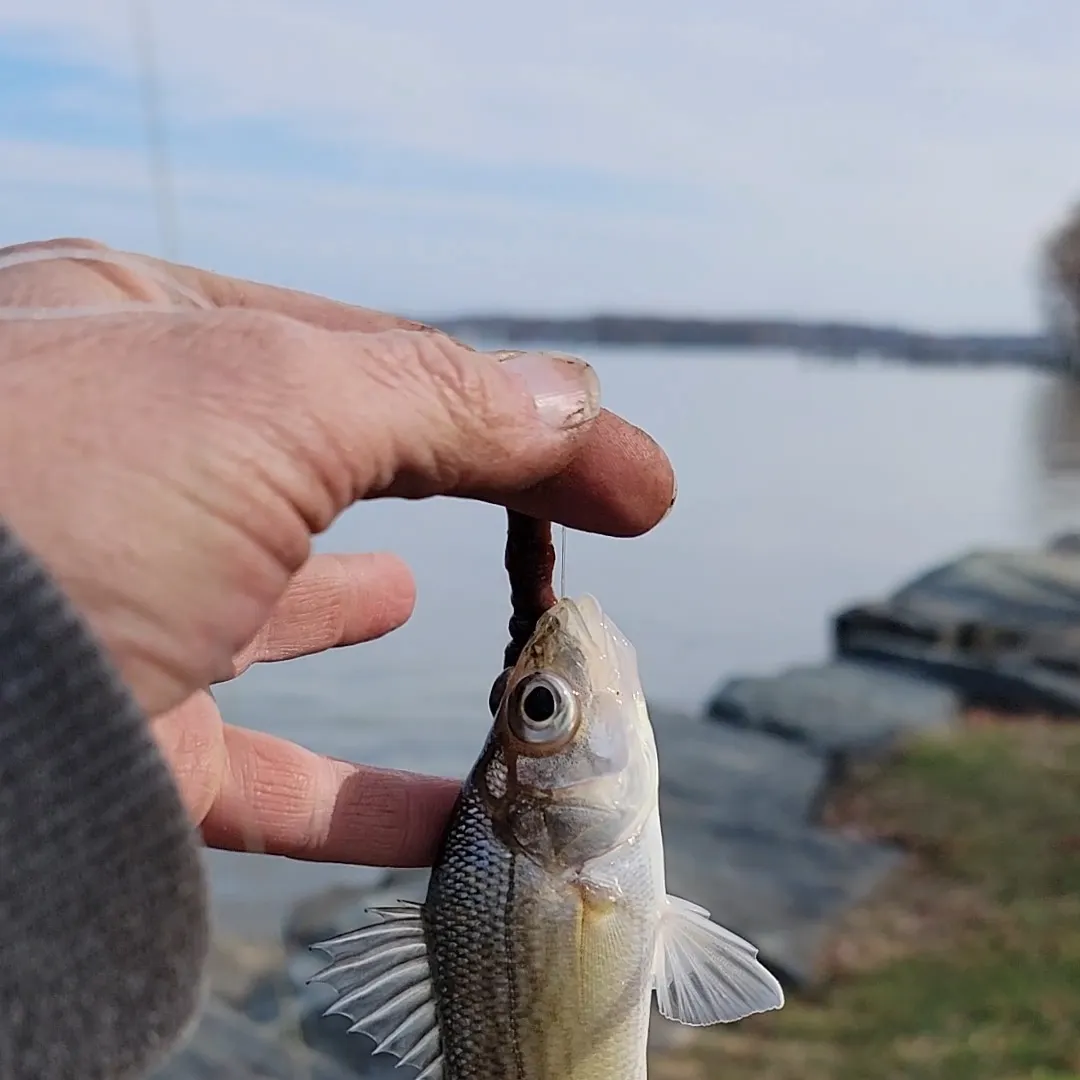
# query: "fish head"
{"type": "Point", "coordinates": [570, 770]}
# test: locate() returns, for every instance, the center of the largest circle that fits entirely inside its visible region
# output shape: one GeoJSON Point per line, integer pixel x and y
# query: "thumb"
{"type": "Point", "coordinates": [415, 414]}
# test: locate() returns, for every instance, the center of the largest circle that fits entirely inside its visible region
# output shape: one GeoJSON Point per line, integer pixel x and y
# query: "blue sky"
{"type": "Point", "coordinates": [846, 158]}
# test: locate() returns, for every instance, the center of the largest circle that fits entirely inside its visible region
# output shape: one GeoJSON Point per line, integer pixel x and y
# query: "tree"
{"type": "Point", "coordinates": [1060, 274]}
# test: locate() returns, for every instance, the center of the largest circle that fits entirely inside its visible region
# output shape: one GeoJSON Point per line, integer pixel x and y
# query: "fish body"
{"type": "Point", "coordinates": [547, 924]}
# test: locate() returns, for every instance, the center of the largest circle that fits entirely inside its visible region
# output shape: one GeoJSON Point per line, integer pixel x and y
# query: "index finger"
{"type": "Point", "coordinates": [223, 291]}
{"type": "Point", "coordinates": [101, 276]}
{"type": "Point", "coordinates": [618, 482]}
{"type": "Point", "coordinates": [229, 292]}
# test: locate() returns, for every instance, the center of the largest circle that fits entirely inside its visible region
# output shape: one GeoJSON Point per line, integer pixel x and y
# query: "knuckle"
{"type": "Point", "coordinates": [458, 402]}
{"type": "Point", "coordinates": [56, 244]}
{"type": "Point", "coordinates": [75, 271]}
{"type": "Point", "coordinates": [253, 378]}
{"type": "Point", "coordinates": [457, 381]}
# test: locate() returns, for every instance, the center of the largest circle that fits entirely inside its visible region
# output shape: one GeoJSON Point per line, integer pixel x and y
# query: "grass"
{"type": "Point", "coordinates": [968, 964]}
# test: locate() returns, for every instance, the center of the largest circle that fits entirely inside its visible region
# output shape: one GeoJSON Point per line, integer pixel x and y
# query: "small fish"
{"type": "Point", "coordinates": [547, 924]}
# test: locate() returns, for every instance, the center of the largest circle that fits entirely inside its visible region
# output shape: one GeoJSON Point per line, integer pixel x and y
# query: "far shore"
{"type": "Point", "coordinates": [842, 340]}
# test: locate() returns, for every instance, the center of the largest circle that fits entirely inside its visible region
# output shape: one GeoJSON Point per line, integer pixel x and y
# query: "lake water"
{"type": "Point", "coordinates": [803, 486]}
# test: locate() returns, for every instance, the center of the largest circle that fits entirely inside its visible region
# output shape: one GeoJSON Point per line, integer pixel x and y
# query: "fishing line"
{"type": "Point", "coordinates": [165, 213]}
{"type": "Point", "coordinates": [562, 560]}
{"type": "Point", "coordinates": [161, 181]}
{"type": "Point", "coordinates": [161, 175]}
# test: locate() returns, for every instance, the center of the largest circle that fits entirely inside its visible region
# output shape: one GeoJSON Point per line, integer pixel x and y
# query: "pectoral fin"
{"type": "Point", "coordinates": [383, 980]}
{"type": "Point", "coordinates": [705, 974]}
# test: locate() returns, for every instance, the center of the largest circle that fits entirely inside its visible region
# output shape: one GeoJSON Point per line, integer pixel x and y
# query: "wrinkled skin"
{"type": "Point", "coordinates": [170, 465]}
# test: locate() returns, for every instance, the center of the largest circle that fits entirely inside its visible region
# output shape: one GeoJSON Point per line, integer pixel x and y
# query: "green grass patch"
{"type": "Point", "coordinates": [966, 966]}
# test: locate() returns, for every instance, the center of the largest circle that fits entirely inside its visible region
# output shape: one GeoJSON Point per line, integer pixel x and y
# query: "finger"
{"type": "Point", "coordinates": [610, 478]}
{"type": "Point", "coordinates": [334, 600]}
{"type": "Point", "coordinates": [619, 483]}
{"type": "Point", "coordinates": [93, 274]}
{"type": "Point", "coordinates": [414, 415]}
{"type": "Point", "coordinates": [291, 801]}
{"type": "Point", "coordinates": [68, 273]}
{"type": "Point", "coordinates": [616, 481]}
{"type": "Point", "coordinates": [588, 468]}
{"type": "Point", "coordinates": [229, 292]}
{"type": "Point", "coordinates": [191, 738]}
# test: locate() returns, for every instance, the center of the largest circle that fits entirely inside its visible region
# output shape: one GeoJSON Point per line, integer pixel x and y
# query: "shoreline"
{"type": "Point", "coordinates": [821, 338]}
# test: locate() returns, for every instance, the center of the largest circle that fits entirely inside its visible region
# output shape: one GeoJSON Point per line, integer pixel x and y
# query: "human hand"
{"type": "Point", "coordinates": [170, 462]}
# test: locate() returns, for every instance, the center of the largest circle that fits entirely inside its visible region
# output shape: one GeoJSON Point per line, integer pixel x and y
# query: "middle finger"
{"type": "Point", "coordinates": [333, 600]}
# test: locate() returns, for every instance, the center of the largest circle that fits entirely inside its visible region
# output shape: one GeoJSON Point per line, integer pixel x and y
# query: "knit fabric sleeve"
{"type": "Point", "coordinates": [103, 913]}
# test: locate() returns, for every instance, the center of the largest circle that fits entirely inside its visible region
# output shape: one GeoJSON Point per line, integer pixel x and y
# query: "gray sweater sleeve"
{"type": "Point", "coordinates": [103, 914]}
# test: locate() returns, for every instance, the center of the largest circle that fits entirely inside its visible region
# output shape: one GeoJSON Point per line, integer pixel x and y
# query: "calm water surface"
{"type": "Point", "coordinates": [802, 486]}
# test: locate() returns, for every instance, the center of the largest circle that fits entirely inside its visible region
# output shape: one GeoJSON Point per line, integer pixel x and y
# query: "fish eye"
{"type": "Point", "coordinates": [544, 709]}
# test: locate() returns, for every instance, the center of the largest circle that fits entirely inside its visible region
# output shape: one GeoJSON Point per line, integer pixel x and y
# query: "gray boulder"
{"type": "Point", "coordinates": [736, 775]}
{"type": "Point", "coordinates": [226, 1045]}
{"type": "Point", "coordinates": [844, 709]}
{"type": "Point", "coordinates": [1002, 627]}
{"type": "Point", "coordinates": [342, 908]}
{"type": "Point", "coordinates": [737, 808]}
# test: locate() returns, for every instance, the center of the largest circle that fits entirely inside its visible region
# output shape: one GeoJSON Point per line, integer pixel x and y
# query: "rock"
{"type": "Point", "coordinates": [783, 890]}
{"type": "Point", "coordinates": [236, 965]}
{"type": "Point", "coordinates": [317, 917]}
{"type": "Point", "coordinates": [666, 1036]}
{"type": "Point", "coordinates": [264, 1020]}
{"type": "Point", "coordinates": [848, 709]}
{"type": "Point", "coordinates": [228, 1046]}
{"type": "Point", "coordinates": [1067, 543]}
{"type": "Point", "coordinates": [737, 808]}
{"type": "Point", "coordinates": [1001, 627]}
{"type": "Point", "coordinates": [738, 775]}
{"type": "Point", "coordinates": [271, 999]}
{"type": "Point", "coordinates": [329, 1036]}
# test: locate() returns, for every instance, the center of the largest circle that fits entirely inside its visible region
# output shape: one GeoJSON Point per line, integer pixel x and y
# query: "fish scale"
{"type": "Point", "coordinates": [468, 950]}
{"type": "Point", "coordinates": [501, 938]}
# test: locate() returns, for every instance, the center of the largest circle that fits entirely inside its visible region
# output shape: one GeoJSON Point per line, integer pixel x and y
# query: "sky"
{"type": "Point", "coordinates": [841, 159]}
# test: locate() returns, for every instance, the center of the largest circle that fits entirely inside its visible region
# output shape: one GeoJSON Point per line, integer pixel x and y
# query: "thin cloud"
{"type": "Point", "coordinates": [841, 158]}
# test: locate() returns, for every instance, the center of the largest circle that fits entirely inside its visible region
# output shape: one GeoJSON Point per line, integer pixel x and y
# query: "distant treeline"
{"type": "Point", "coordinates": [834, 339]}
{"type": "Point", "coordinates": [1060, 285]}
